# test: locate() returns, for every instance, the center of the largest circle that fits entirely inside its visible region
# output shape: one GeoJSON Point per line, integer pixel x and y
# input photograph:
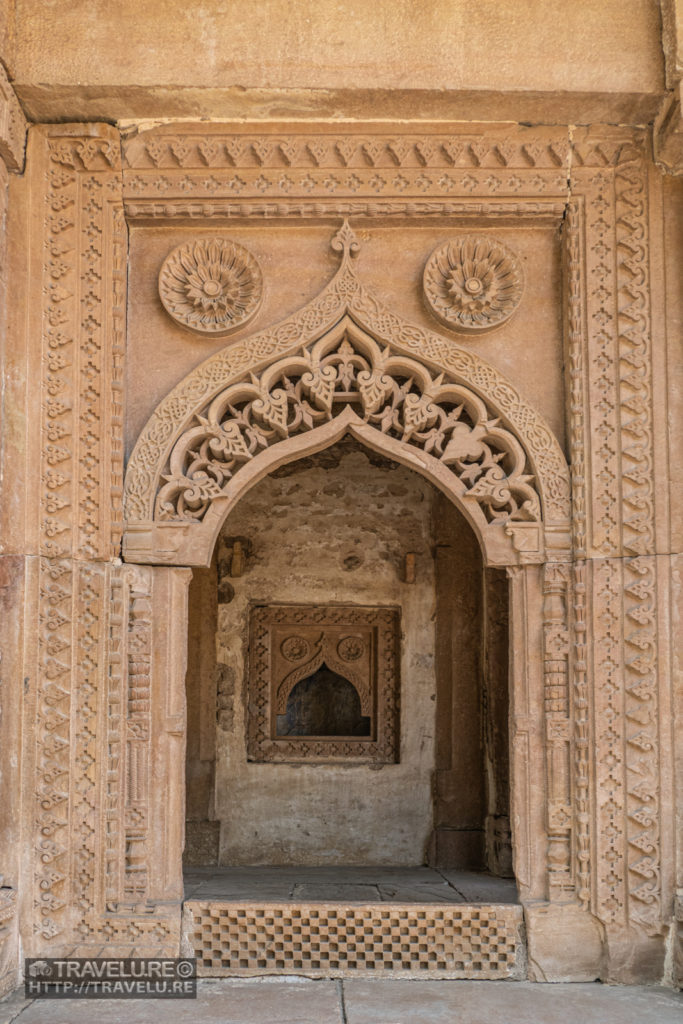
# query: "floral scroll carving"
{"type": "Point", "coordinates": [473, 284]}
{"type": "Point", "coordinates": [211, 286]}
{"type": "Point", "coordinates": [396, 395]}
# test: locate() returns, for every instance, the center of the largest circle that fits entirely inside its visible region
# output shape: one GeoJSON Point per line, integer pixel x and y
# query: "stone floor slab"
{"type": "Point", "coordinates": [477, 887]}
{"type": "Point", "coordinates": [330, 891]}
{"type": "Point", "coordinates": [303, 1001]}
{"type": "Point", "coordinates": [12, 1005]}
{"type": "Point", "coordinates": [244, 1001]}
{"type": "Point", "coordinates": [332, 883]}
{"type": "Point", "coordinates": [504, 1002]}
{"type": "Point", "coordinates": [437, 893]}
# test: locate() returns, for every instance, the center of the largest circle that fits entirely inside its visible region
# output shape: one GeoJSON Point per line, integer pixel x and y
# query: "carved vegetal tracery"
{"type": "Point", "coordinates": [394, 394]}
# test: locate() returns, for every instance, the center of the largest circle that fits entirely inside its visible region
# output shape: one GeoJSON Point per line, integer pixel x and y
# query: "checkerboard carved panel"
{"type": "Point", "coordinates": [481, 941]}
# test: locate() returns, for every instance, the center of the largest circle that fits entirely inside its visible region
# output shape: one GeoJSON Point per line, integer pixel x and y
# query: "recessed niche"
{"type": "Point", "coordinates": [323, 704]}
{"type": "Point", "coordinates": [323, 683]}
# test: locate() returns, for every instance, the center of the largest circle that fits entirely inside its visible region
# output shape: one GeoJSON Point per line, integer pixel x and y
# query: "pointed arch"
{"type": "Point", "coordinates": [345, 364]}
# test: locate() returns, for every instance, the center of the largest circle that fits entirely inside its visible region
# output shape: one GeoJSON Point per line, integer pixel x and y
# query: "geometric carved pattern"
{"type": "Point", "coordinates": [80, 513]}
{"type": "Point", "coordinates": [138, 713]}
{"type": "Point", "coordinates": [360, 644]}
{"type": "Point", "coordinates": [617, 356]}
{"type": "Point", "coordinates": [212, 286]}
{"type": "Point", "coordinates": [558, 730]}
{"type": "Point", "coordinates": [473, 284]}
{"type": "Point", "coordinates": [471, 941]}
{"type": "Point", "coordinates": [79, 857]}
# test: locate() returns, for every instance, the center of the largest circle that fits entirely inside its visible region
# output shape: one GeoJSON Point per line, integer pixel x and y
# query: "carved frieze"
{"type": "Point", "coordinates": [290, 644]}
{"type": "Point", "coordinates": [396, 396]}
{"type": "Point", "coordinates": [558, 730]}
{"type": "Point", "coordinates": [79, 852]}
{"type": "Point", "coordinates": [615, 517]}
{"type": "Point", "coordinates": [212, 286]}
{"type": "Point", "coordinates": [473, 283]}
{"type": "Point", "coordinates": [212, 173]}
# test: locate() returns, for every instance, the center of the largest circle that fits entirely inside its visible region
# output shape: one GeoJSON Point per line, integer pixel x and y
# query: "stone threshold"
{"type": "Point", "coordinates": [434, 933]}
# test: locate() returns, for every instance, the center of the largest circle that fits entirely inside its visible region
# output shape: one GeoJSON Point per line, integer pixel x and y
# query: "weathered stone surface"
{"type": "Point", "coordinates": [602, 62]}
{"type": "Point", "coordinates": [438, 1002]}
{"type": "Point", "coordinates": [323, 537]}
{"type": "Point", "coordinates": [550, 957]}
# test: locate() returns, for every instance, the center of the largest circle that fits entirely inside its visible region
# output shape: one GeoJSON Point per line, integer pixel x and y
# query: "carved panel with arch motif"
{"type": "Point", "coordinates": [323, 684]}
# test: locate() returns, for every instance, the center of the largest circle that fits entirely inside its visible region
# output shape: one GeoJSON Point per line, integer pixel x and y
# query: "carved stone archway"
{"type": "Point", "coordinates": [591, 675]}
{"type": "Point", "coordinates": [345, 364]}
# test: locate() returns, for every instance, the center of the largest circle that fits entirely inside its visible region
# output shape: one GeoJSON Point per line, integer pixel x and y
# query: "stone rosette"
{"type": "Point", "coordinates": [473, 284]}
{"type": "Point", "coordinates": [351, 648]}
{"type": "Point", "coordinates": [211, 286]}
{"type": "Point", "coordinates": [295, 648]}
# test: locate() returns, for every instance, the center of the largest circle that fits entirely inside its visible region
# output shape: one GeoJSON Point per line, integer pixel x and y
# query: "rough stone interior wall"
{"type": "Point", "coordinates": [330, 535]}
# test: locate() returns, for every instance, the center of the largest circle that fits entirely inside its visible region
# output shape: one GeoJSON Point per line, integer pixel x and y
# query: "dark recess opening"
{"type": "Point", "coordinates": [323, 704]}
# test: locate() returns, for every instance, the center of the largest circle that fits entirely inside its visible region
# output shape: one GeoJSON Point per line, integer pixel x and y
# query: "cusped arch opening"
{"type": "Point", "coordinates": [323, 703]}
{"type": "Point", "coordinates": [500, 542]}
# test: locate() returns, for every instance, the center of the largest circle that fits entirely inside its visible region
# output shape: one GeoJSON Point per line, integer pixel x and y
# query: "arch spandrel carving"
{"type": "Point", "coordinates": [345, 364]}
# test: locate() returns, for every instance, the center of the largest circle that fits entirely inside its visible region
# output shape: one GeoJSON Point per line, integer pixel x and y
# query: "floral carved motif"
{"type": "Point", "coordinates": [295, 648]}
{"type": "Point", "coordinates": [473, 284]}
{"type": "Point", "coordinates": [211, 286]}
{"type": "Point", "coordinates": [167, 482]}
{"type": "Point", "coordinates": [396, 395]}
{"type": "Point", "coordinates": [351, 648]}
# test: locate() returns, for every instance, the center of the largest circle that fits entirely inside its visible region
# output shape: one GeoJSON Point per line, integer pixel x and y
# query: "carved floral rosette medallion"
{"type": "Point", "coordinates": [211, 286]}
{"type": "Point", "coordinates": [295, 648]}
{"type": "Point", "coordinates": [473, 284]}
{"type": "Point", "coordinates": [351, 648]}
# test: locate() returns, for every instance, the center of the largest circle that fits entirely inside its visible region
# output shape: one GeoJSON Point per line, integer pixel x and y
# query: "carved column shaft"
{"type": "Point", "coordinates": [558, 730]}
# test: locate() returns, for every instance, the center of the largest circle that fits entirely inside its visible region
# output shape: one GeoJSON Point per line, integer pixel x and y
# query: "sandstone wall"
{"type": "Point", "coordinates": [534, 61]}
{"type": "Point", "coordinates": [92, 831]}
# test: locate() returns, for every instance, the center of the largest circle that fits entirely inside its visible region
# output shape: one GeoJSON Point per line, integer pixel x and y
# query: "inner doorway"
{"type": "Point", "coordinates": [348, 526]}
